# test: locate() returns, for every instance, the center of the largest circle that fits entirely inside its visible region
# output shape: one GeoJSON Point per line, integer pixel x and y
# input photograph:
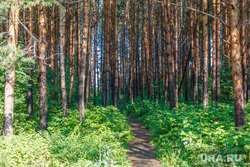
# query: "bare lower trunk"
{"type": "Point", "coordinates": [8, 113]}
{"type": "Point", "coordinates": [214, 54]}
{"type": "Point", "coordinates": [197, 55]}
{"type": "Point", "coordinates": [218, 57]}
{"type": "Point", "coordinates": [176, 37]}
{"type": "Point", "coordinates": [62, 65]}
{"type": "Point", "coordinates": [169, 59]}
{"type": "Point", "coordinates": [239, 110]}
{"type": "Point", "coordinates": [205, 56]}
{"type": "Point", "coordinates": [150, 52]}
{"type": "Point", "coordinates": [72, 58]}
{"type": "Point", "coordinates": [245, 56]}
{"type": "Point", "coordinates": [83, 56]}
{"type": "Point", "coordinates": [42, 72]}
{"type": "Point", "coordinates": [116, 97]}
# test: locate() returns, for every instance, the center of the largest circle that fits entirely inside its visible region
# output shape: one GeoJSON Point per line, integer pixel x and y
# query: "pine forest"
{"type": "Point", "coordinates": [142, 83]}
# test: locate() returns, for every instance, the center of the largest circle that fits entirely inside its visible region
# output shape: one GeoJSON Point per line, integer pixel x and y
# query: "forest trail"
{"type": "Point", "coordinates": [141, 152]}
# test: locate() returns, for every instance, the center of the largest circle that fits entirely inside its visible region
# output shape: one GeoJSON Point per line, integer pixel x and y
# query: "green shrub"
{"type": "Point", "coordinates": [101, 139]}
{"type": "Point", "coordinates": [185, 134]}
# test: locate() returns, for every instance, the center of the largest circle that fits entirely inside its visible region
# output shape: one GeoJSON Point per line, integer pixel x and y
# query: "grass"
{"type": "Point", "coordinates": [101, 140]}
{"type": "Point", "coordinates": [193, 136]}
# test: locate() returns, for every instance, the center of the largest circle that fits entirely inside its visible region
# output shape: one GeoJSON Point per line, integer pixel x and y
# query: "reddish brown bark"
{"type": "Point", "coordinates": [197, 55]}
{"type": "Point", "coordinates": [218, 56]}
{"type": "Point", "coordinates": [176, 47]}
{"type": "Point", "coordinates": [214, 54]}
{"type": "Point", "coordinates": [150, 52]}
{"type": "Point", "coordinates": [239, 109]}
{"type": "Point", "coordinates": [243, 39]}
{"type": "Point", "coordinates": [71, 54]}
{"type": "Point", "coordinates": [205, 56]}
{"type": "Point", "coordinates": [170, 59]}
{"type": "Point", "coordinates": [42, 68]}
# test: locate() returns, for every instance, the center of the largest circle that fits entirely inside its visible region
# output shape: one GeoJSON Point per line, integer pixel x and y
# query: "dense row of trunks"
{"type": "Point", "coordinates": [147, 49]}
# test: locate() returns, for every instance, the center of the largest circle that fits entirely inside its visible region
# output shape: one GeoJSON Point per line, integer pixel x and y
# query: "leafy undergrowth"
{"type": "Point", "coordinates": [193, 136]}
{"type": "Point", "coordinates": [101, 139]}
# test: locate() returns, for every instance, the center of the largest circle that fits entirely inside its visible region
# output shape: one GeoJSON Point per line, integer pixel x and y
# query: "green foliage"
{"type": "Point", "coordinates": [227, 83]}
{"type": "Point", "coordinates": [185, 134]}
{"type": "Point", "coordinates": [104, 133]}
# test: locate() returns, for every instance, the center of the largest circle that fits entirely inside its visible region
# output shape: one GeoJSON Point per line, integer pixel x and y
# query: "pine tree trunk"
{"type": "Point", "coordinates": [146, 48]}
{"type": "Point", "coordinates": [214, 54]}
{"type": "Point", "coordinates": [96, 10]}
{"type": "Point", "coordinates": [218, 56]}
{"type": "Point", "coordinates": [157, 63]}
{"type": "Point", "coordinates": [205, 56]}
{"type": "Point", "coordinates": [83, 56]}
{"type": "Point", "coordinates": [243, 39]}
{"type": "Point", "coordinates": [197, 55]}
{"type": "Point", "coordinates": [169, 59]}
{"type": "Point", "coordinates": [116, 94]}
{"type": "Point", "coordinates": [176, 37]}
{"type": "Point", "coordinates": [122, 57]}
{"type": "Point", "coordinates": [163, 55]}
{"type": "Point", "coordinates": [71, 54]}
{"type": "Point", "coordinates": [89, 55]}
{"type": "Point", "coordinates": [106, 52]}
{"type": "Point", "coordinates": [239, 110]}
{"type": "Point", "coordinates": [150, 52]}
{"type": "Point", "coordinates": [79, 47]}
{"type": "Point", "coordinates": [165, 65]}
{"type": "Point", "coordinates": [8, 113]}
{"type": "Point", "coordinates": [62, 64]}
{"type": "Point", "coordinates": [187, 55]}
{"type": "Point", "coordinates": [42, 69]}
{"type": "Point", "coordinates": [192, 44]}
{"type": "Point", "coordinates": [54, 56]}
{"type": "Point", "coordinates": [131, 54]}
{"type": "Point", "coordinates": [142, 78]}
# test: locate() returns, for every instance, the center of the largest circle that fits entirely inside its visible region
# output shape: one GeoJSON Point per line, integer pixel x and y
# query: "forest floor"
{"type": "Point", "coordinates": [141, 152]}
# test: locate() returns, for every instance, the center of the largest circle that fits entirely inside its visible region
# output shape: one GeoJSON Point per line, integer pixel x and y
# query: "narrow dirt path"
{"type": "Point", "coordinates": [141, 152]}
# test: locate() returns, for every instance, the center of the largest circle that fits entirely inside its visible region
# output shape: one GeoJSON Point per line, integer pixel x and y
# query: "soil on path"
{"type": "Point", "coordinates": [141, 152]}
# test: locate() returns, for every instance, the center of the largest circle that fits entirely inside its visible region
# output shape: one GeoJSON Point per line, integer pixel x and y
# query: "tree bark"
{"type": "Point", "coordinates": [197, 55]}
{"type": "Point", "coordinates": [83, 56]}
{"type": "Point", "coordinates": [71, 54]}
{"type": "Point", "coordinates": [42, 72]}
{"type": "Point", "coordinates": [157, 61]}
{"type": "Point", "coordinates": [243, 39]}
{"type": "Point", "coordinates": [218, 56]}
{"type": "Point", "coordinates": [146, 46]}
{"type": "Point", "coordinates": [187, 55]}
{"type": "Point", "coordinates": [169, 59]}
{"type": "Point", "coordinates": [239, 110]}
{"type": "Point", "coordinates": [88, 59]}
{"type": "Point", "coordinates": [150, 52]}
{"type": "Point", "coordinates": [214, 55]}
{"type": "Point", "coordinates": [205, 56]}
{"type": "Point", "coordinates": [62, 64]}
{"type": "Point", "coordinates": [54, 56]}
{"type": "Point", "coordinates": [176, 37]}
{"type": "Point", "coordinates": [8, 112]}
{"type": "Point", "coordinates": [116, 88]}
